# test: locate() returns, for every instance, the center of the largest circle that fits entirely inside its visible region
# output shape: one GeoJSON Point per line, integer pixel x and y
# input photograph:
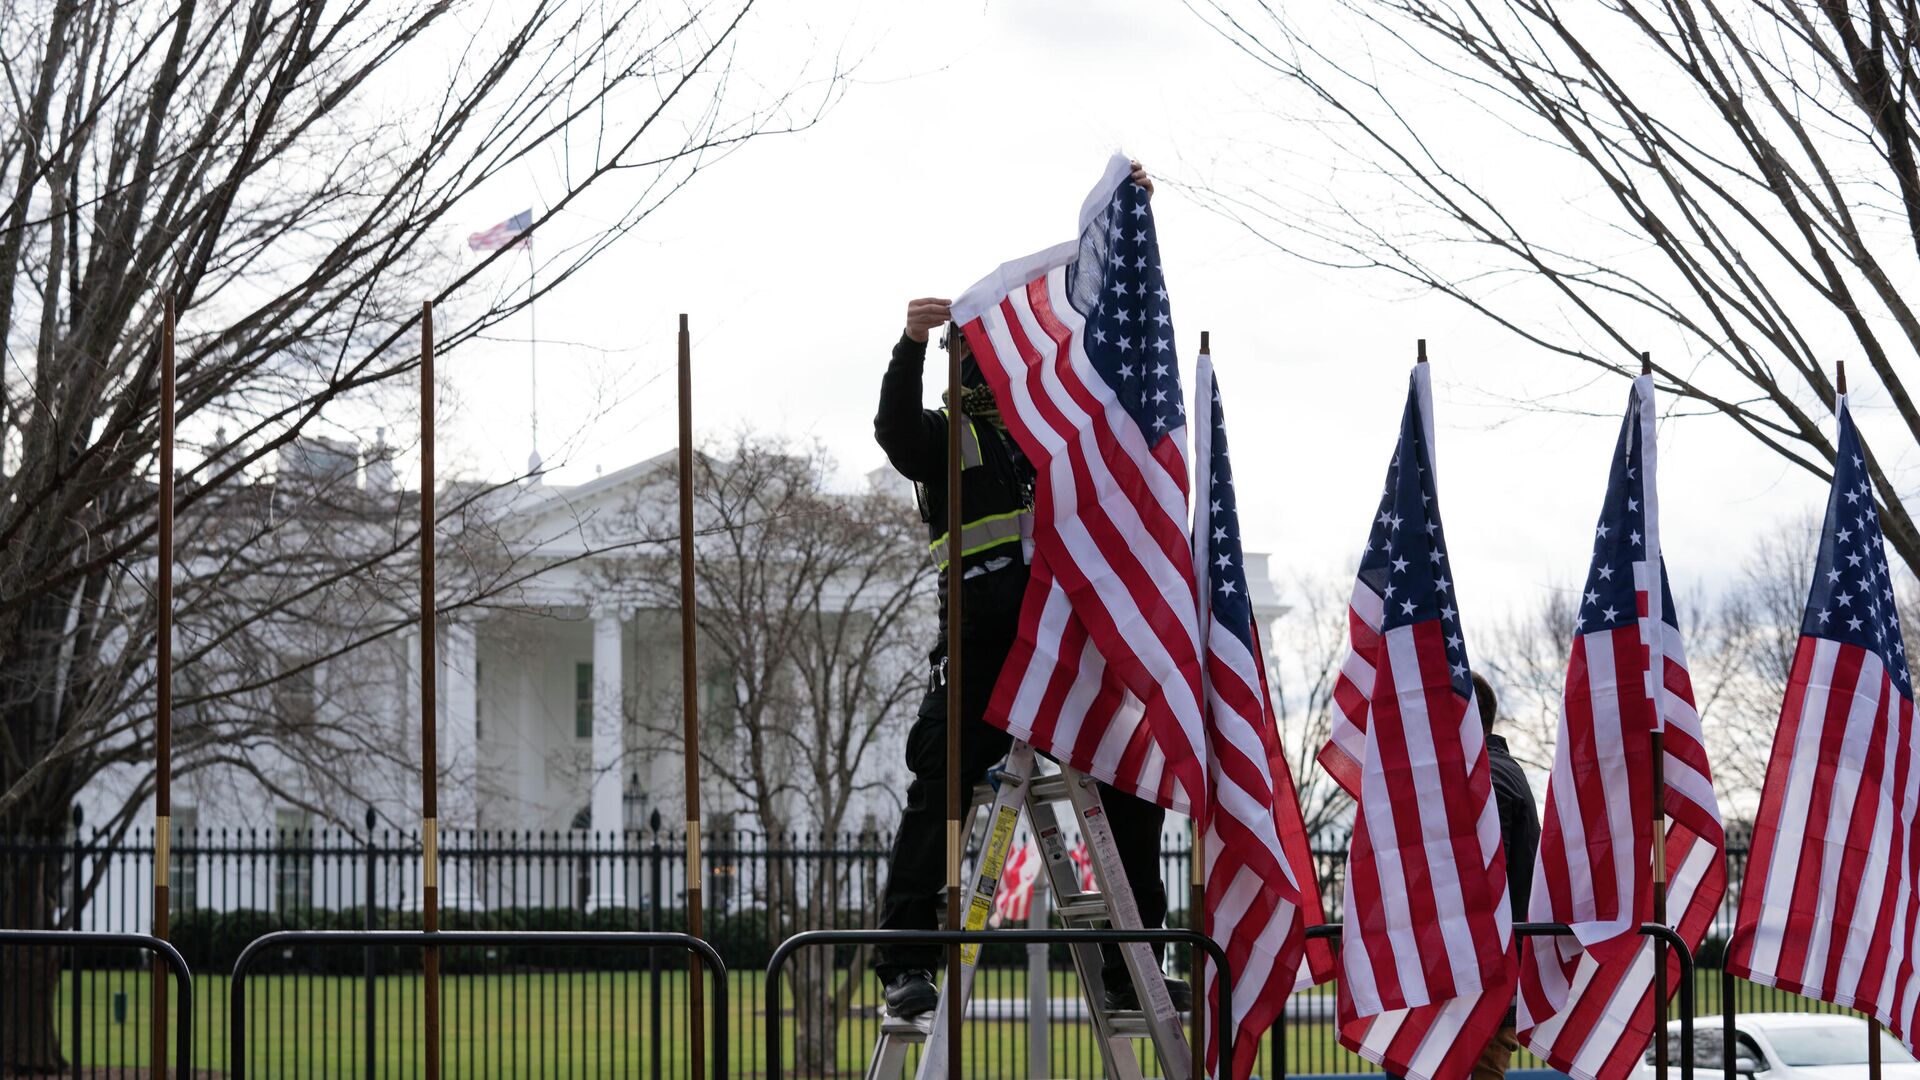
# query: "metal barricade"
{"type": "Point", "coordinates": [88, 939]}
{"type": "Point", "coordinates": [237, 991]}
{"type": "Point", "coordinates": [1532, 929]}
{"type": "Point", "coordinates": [776, 1031]}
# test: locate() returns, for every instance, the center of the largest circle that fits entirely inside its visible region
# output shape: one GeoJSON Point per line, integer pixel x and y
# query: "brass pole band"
{"type": "Point", "coordinates": [1199, 859]}
{"type": "Point", "coordinates": [693, 848]}
{"type": "Point", "coordinates": [430, 853]}
{"type": "Point", "coordinates": [162, 848]}
{"type": "Point", "coordinates": [953, 854]}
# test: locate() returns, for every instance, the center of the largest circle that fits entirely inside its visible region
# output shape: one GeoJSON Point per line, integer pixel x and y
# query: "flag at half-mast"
{"type": "Point", "coordinates": [1827, 904]}
{"type": "Point", "coordinates": [1428, 953]}
{"type": "Point", "coordinates": [1586, 1000]}
{"type": "Point", "coordinates": [1261, 890]}
{"type": "Point", "coordinates": [1077, 344]}
{"type": "Point", "coordinates": [511, 233]}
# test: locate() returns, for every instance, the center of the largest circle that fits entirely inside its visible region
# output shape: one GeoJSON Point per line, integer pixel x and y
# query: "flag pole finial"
{"type": "Point", "coordinates": [1840, 375]}
{"type": "Point", "coordinates": [1420, 351]}
{"type": "Point", "coordinates": [1646, 362]}
{"type": "Point", "coordinates": [1206, 342]}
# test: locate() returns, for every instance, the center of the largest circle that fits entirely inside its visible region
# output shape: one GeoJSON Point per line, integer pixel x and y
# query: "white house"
{"type": "Point", "coordinates": [536, 688]}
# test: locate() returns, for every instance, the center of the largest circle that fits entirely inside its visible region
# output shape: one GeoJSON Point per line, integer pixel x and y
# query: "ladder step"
{"type": "Point", "coordinates": [1049, 788]}
{"type": "Point", "coordinates": [906, 1027]}
{"type": "Point", "coordinates": [1086, 907]}
{"type": "Point", "coordinates": [1129, 1024]}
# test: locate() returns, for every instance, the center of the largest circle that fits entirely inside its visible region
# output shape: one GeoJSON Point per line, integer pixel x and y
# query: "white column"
{"type": "Point", "coordinates": [609, 727]}
{"type": "Point", "coordinates": [459, 758]}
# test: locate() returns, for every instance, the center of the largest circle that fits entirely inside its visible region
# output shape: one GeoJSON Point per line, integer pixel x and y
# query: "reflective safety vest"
{"type": "Point", "coordinates": [996, 510]}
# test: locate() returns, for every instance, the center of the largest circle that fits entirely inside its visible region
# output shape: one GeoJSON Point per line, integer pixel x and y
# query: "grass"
{"type": "Point", "coordinates": [596, 1024]}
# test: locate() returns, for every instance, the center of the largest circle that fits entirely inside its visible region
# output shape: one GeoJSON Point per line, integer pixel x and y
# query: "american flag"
{"type": "Point", "coordinates": [1586, 1001]}
{"type": "Point", "coordinates": [1261, 890]}
{"type": "Point", "coordinates": [1013, 900]}
{"type": "Point", "coordinates": [509, 233]}
{"type": "Point", "coordinates": [1428, 950]}
{"type": "Point", "coordinates": [1827, 906]}
{"type": "Point", "coordinates": [1083, 865]}
{"type": "Point", "coordinates": [1077, 344]}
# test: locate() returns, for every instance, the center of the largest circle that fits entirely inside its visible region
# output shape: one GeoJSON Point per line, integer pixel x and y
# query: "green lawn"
{"type": "Point", "coordinates": [590, 1024]}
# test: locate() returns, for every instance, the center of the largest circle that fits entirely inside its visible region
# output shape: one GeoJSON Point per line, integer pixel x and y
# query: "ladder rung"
{"type": "Point", "coordinates": [1086, 907]}
{"type": "Point", "coordinates": [1129, 1024]}
{"type": "Point", "coordinates": [906, 1027]}
{"type": "Point", "coordinates": [1049, 788]}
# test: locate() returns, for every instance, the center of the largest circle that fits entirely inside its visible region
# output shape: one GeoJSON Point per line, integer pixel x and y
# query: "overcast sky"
{"type": "Point", "coordinates": [970, 137]}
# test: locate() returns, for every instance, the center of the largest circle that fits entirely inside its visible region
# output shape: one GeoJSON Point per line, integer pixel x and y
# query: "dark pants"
{"type": "Point", "coordinates": [916, 869]}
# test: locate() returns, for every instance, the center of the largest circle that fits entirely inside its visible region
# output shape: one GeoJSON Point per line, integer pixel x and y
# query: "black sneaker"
{"type": "Point", "coordinates": [911, 993]}
{"type": "Point", "coordinates": [1120, 996]}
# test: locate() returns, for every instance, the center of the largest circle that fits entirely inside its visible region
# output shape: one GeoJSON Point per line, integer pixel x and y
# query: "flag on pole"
{"type": "Point", "coordinates": [509, 233]}
{"type": "Point", "coordinates": [1261, 891]}
{"type": "Point", "coordinates": [1827, 903]}
{"type": "Point", "coordinates": [1077, 344]}
{"type": "Point", "coordinates": [1013, 900]}
{"type": "Point", "coordinates": [1586, 1000]}
{"type": "Point", "coordinates": [1428, 951]}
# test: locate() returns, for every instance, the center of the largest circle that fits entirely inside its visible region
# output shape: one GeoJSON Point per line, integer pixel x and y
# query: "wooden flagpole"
{"type": "Point", "coordinates": [690, 703]}
{"type": "Point", "coordinates": [429, 720]}
{"type": "Point", "coordinates": [956, 798]}
{"type": "Point", "coordinates": [1873, 1025]}
{"type": "Point", "coordinates": [163, 685]}
{"type": "Point", "coordinates": [1659, 812]}
{"type": "Point", "coordinates": [1197, 888]}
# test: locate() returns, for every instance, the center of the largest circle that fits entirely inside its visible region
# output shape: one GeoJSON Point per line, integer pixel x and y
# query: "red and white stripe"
{"type": "Point", "coordinates": [1261, 890]}
{"type": "Point", "coordinates": [1827, 906]}
{"type": "Point", "coordinates": [1428, 952]}
{"type": "Point", "coordinates": [1110, 612]}
{"type": "Point", "coordinates": [1586, 1000]}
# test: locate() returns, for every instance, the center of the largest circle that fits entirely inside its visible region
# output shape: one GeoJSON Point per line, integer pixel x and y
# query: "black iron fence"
{"type": "Point", "coordinates": [528, 1010]}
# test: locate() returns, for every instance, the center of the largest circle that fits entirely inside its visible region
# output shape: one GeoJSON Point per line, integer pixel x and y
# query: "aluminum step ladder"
{"type": "Point", "coordinates": [1018, 789]}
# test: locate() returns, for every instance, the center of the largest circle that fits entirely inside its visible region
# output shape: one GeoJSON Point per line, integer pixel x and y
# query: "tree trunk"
{"type": "Point", "coordinates": [29, 977]}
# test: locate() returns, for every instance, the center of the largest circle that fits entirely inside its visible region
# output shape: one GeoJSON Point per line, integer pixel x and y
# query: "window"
{"type": "Point", "coordinates": [292, 860]}
{"type": "Point", "coordinates": [183, 872]}
{"type": "Point", "coordinates": [583, 701]}
{"type": "Point", "coordinates": [479, 702]}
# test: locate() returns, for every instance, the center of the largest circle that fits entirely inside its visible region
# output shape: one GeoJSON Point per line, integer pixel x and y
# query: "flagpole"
{"type": "Point", "coordinates": [690, 705]}
{"type": "Point", "coordinates": [1873, 1024]}
{"type": "Point", "coordinates": [429, 781]}
{"type": "Point", "coordinates": [533, 366]}
{"type": "Point", "coordinates": [1197, 887]}
{"type": "Point", "coordinates": [956, 801]}
{"type": "Point", "coordinates": [1659, 813]}
{"type": "Point", "coordinates": [163, 686]}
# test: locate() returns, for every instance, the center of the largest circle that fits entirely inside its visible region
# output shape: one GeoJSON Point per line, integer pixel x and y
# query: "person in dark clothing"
{"type": "Point", "coordinates": [1520, 836]}
{"type": "Point", "coordinates": [996, 494]}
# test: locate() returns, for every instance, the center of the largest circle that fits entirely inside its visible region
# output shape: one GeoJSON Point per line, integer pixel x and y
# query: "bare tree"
{"type": "Point", "coordinates": [1745, 176]}
{"type": "Point", "coordinates": [813, 611]}
{"type": "Point", "coordinates": [1309, 646]}
{"type": "Point", "coordinates": [288, 172]}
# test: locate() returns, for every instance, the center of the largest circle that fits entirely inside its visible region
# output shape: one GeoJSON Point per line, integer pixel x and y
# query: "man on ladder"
{"type": "Point", "coordinates": [997, 501]}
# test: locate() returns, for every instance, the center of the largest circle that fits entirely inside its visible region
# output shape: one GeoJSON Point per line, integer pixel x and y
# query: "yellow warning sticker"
{"type": "Point", "coordinates": [977, 913]}
{"type": "Point", "coordinates": [1000, 842]}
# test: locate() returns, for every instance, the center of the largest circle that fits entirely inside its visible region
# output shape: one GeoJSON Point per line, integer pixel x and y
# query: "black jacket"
{"type": "Point", "coordinates": [915, 440]}
{"type": "Point", "coordinates": [1519, 822]}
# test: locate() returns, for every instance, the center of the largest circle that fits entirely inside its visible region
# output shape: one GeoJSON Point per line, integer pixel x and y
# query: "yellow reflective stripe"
{"type": "Point", "coordinates": [980, 535]}
{"type": "Point", "coordinates": [969, 445]}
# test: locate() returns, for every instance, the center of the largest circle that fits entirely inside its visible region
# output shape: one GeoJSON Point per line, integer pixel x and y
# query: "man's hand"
{"type": "Point", "coordinates": [925, 314]}
{"type": "Point", "coordinates": [1140, 177]}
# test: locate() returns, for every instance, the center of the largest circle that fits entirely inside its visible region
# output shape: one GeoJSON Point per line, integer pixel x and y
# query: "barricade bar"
{"type": "Point", "coordinates": [1222, 1012]}
{"type": "Point", "coordinates": [237, 993]}
{"type": "Point", "coordinates": [182, 975]}
{"type": "Point", "coordinates": [1552, 929]}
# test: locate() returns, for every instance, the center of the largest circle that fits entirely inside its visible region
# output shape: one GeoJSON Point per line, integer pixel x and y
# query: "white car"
{"type": "Point", "coordinates": [1785, 1046]}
